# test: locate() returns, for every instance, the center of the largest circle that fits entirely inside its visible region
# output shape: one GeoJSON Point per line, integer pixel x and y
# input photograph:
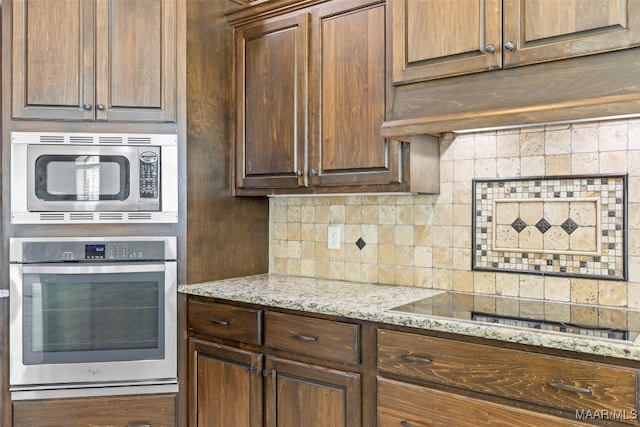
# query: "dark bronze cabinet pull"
{"type": "Point", "coordinates": [219, 322]}
{"type": "Point", "coordinates": [405, 423]}
{"type": "Point", "coordinates": [569, 387]}
{"type": "Point", "coordinates": [304, 338]}
{"type": "Point", "coordinates": [266, 372]}
{"type": "Point", "coordinates": [410, 358]}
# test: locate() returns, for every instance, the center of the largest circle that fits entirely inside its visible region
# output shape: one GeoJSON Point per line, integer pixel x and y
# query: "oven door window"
{"type": "Point", "coordinates": [93, 318]}
{"type": "Point", "coordinates": [81, 178]}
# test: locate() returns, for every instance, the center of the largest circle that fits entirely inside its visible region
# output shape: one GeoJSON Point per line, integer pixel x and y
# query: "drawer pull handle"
{"type": "Point", "coordinates": [405, 423]}
{"type": "Point", "coordinates": [568, 387]}
{"type": "Point", "coordinates": [410, 358]}
{"type": "Point", "coordinates": [138, 425]}
{"type": "Point", "coordinates": [219, 322]}
{"type": "Point", "coordinates": [304, 338]}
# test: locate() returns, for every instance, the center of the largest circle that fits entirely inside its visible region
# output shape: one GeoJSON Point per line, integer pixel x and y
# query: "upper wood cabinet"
{"type": "Point", "coordinates": [94, 60]}
{"type": "Point", "coordinates": [310, 98]}
{"type": "Point", "coordinates": [440, 38]}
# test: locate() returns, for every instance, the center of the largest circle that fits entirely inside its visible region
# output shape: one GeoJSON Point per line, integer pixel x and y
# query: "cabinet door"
{"type": "Point", "coordinates": [225, 386]}
{"type": "Point", "coordinates": [543, 30]}
{"type": "Point", "coordinates": [53, 68]}
{"type": "Point", "coordinates": [298, 394]}
{"type": "Point", "coordinates": [440, 38]}
{"type": "Point", "coordinates": [136, 60]}
{"type": "Point", "coordinates": [271, 103]}
{"type": "Point", "coordinates": [347, 96]}
{"type": "Point", "coordinates": [108, 60]}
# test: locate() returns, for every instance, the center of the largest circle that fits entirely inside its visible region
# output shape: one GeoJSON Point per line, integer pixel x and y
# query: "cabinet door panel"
{"type": "Point", "coordinates": [271, 117]}
{"type": "Point", "coordinates": [543, 30]}
{"type": "Point", "coordinates": [298, 394]}
{"type": "Point", "coordinates": [136, 60]}
{"type": "Point", "coordinates": [53, 73]}
{"type": "Point", "coordinates": [225, 386]}
{"type": "Point", "coordinates": [348, 96]}
{"type": "Point", "coordinates": [440, 38]}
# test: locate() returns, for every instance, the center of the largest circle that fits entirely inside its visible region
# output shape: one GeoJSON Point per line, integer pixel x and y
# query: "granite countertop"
{"type": "Point", "coordinates": [372, 302]}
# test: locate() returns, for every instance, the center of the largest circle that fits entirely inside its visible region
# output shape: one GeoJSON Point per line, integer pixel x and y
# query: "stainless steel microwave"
{"type": "Point", "coordinates": [97, 177]}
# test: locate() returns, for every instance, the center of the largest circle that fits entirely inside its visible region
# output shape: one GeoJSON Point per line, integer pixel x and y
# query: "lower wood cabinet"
{"type": "Point", "coordinates": [299, 394]}
{"type": "Point", "coordinates": [289, 381]}
{"type": "Point", "coordinates": [225, 385]}
{"type": "Point", "coordinates": [577, 389]}
{"type": "Point", "coordinates": [252, 366]}
{"type": "Point", "coordinates": [408, 405]}
{"type": "Point", "coordinates": [126, 411]}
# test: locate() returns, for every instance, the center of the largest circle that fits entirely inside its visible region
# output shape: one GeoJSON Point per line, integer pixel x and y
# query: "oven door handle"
{"type": "Point", "coordinates": [92, 269]}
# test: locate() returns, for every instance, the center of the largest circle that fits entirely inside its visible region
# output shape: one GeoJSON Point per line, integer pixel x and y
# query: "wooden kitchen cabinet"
{"type": "Point", "coordinates": [310, 99]}
{"type": "Point", "coordinates": [560, 69]}
{"type": "Point", "coordinates": [302, 394]}
{"type": "Point", "coordinates": [225, 385]}
{"type": "Point", "coordinates": [94, 60]}
{"type": "Point", "coordinates": [304, 372]}
{"type": "Point", "coordinates": [142, 410]}
{"type": "Point", "coordinates": [409, 405]}
{"type": "Point", "coordinates": [564, 385]}
{"type": "Point", "coordinates": [439, 38]}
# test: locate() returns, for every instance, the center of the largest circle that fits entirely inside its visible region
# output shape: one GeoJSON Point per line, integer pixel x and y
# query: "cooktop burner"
{"type": "Point", "coordinates": [588, 320]}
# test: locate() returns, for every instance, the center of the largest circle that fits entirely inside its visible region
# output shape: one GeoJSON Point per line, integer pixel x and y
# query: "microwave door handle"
{"type": "Point", "coordinates": [92, 269]}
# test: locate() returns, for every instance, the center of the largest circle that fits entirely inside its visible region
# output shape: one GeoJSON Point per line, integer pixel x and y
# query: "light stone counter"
{"type": "Point", "coordinates": [371, 302]}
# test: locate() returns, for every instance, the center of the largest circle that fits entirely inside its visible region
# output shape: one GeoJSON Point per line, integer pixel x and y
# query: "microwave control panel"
{"type": "Point", "coordinates": [149, 175]}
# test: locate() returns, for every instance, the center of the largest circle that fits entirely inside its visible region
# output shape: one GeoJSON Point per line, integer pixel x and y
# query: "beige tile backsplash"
{"type": "Point", "coordinates": [425, 240]}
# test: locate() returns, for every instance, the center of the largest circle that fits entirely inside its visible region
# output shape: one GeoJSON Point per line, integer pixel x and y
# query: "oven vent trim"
{"type": "Point", "coordinates": [94, 217]}
{"type": "Point", "coordinates": [93, 138]}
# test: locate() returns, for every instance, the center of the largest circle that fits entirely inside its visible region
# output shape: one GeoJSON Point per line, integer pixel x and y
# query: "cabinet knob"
{"type": "Point", "coordinates": [100, 107]}
{"type": "Point", "coordinates": [266, 372]}
{"type": "Point", "coordinates": [313, 172]}
{"type": "Point", "coordinates": [490, 48]}
{"type": "Point", "coordinates": [298, 172]}
{"type": "Point", "coordinates": [87, 107]}
{"type": "Point", "coordinates": [509, 46]}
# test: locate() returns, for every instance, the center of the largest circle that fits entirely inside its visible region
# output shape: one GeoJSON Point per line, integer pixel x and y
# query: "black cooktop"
{"type": "Point", "coordinates": [588, 320]}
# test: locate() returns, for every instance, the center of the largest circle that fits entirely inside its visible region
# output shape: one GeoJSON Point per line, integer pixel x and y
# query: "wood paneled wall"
{"type": "Point", "coordinates": [226, 236]}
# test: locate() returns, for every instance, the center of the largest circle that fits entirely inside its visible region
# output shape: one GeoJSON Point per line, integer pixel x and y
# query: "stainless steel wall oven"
{"type": "Point", "coordinates": [92, 316]}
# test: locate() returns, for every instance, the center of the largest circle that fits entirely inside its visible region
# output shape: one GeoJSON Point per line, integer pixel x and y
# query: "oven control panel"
{"type": "Point", "coordinates": [108, 250]}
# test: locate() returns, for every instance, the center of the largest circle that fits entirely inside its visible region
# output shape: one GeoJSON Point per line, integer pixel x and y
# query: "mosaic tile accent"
{"type": "Point", "coordinates": [570, 226]}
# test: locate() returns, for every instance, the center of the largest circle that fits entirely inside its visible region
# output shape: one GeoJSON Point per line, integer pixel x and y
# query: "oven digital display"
{"type": "Point", "coordinates": [94, 251]}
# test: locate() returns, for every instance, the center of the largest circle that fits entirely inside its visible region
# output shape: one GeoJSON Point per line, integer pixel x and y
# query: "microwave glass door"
{"type": "Point", "coordinates": [81, 177]}
{"type": "Point", "coordinates": [105, 317]}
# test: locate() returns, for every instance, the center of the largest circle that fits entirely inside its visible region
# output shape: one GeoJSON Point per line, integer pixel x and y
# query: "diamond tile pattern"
{"type": "Point", "coordinates": [571, 226]}
{"type": "Point", "coordinates": [543, 225]}
{"type": "Point", "coordinates": [519, 225]}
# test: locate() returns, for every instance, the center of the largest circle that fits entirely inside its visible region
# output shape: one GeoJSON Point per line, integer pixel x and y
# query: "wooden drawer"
{"type": "Point", "coordinates": [149, 410]}
{"type": "Point", "coordinates": [225, 321]}
{"type": "Point", "coordinates": [401, 404]}
{"type": "Point", "coordinates": [325, 339]}
{"type": "Point", "coordinates": [547, 380]}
